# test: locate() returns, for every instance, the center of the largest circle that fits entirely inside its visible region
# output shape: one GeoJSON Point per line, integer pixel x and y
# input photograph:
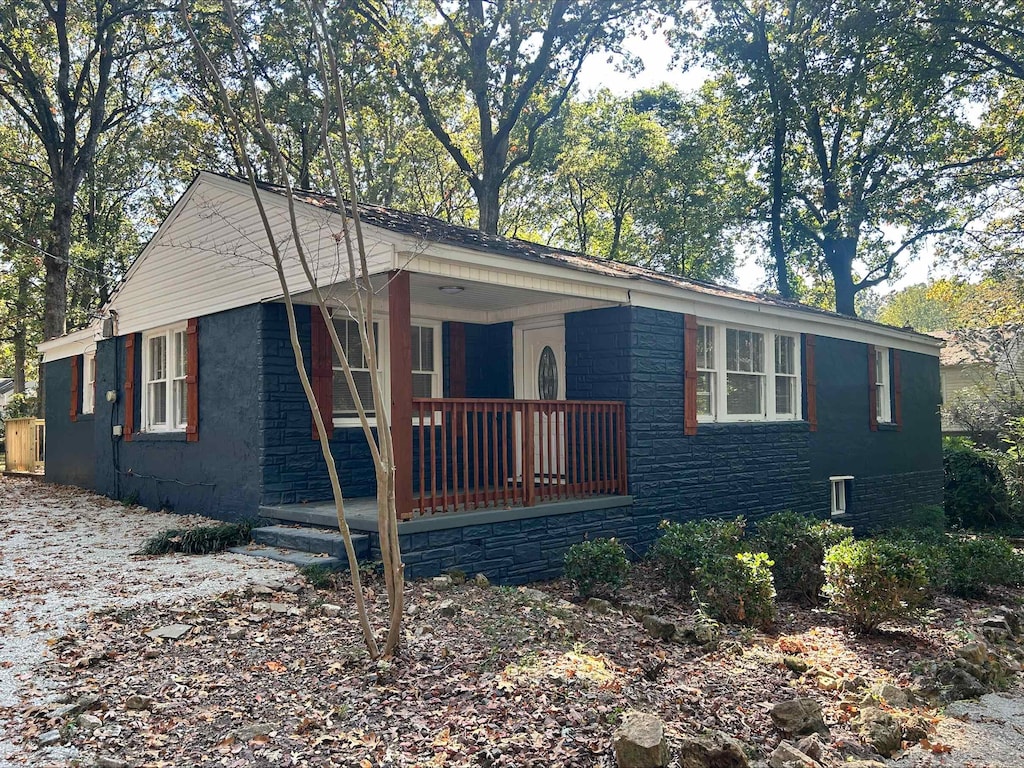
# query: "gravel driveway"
{"type": "Point", "coordinates": [65, 553]}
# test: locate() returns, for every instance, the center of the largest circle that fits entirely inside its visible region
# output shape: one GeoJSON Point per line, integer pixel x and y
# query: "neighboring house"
{"type": "Point", "coordinates": [538, 396]}
{"type": "Point", "coordinates": [978, 368]}
{"type": "Point", "coordinates": [7, 391]}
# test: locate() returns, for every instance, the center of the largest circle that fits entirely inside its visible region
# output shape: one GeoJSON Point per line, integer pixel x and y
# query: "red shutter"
{"type": "Point", "coordinates": [897, 389]}
{"type": "Point", "coordinates": [456, 360]}
{"type": "Point", "coordinates": [192, 381]}
{"type": "Point", "coordinates": [872, 390]}
{"type": "Point", "coordinates": [690, 375]}
{"type": "Point", "coordinates": [129, 386]}
{"type": "Point", "coordinates": [76, 385]}
{"type": "Point", "coordinates": [811, 381]}
{"type": "Point", "coordinates": [323, 372]}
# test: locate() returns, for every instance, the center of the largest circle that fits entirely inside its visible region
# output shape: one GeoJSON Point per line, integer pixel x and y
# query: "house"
{"type": "Point", "coordinates": [7, 391]}
{"type": "Point", "coordinates": [538, 396]}
{"type": "Point", "coordinates": [979, 370]}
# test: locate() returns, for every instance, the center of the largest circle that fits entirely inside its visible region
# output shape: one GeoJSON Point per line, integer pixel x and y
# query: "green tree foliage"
{"type": "Point", "coordinates": [645, 179]}
{"type": "Point", "coordinates": [878, 148]}
{"type": "Point", "coordinates": [915, 307]}
{"type": "Point", "coordinates": [488, 77]}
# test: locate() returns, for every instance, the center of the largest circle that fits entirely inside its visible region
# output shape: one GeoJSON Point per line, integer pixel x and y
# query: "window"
{"type": "Point", "coordinates": [344, 403]}
{"type": "Point", "coordinates": [744, 372]}
{"type": "Point", "coordinates": [164, 368]}
{"type": "Point", "coordinates": [89, 382]}
{"type": "Point", "coordinates": [705, 370]}
{"type": "Point", "coordinates": [787, 385]}
{"type": "Point", "coordinates": [426, 365]}
{"type": "Point", "coordinates": [883, 409]}
{"type": "Point", "coordinates": [755, 374]}
{"type": "Point", "coordinates": [840, 493]}
{"type": "Point", "coordinates": [426, 374]}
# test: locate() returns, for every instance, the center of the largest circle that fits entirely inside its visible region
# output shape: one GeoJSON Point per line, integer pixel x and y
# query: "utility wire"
{"type": "Point", "coordinates": [71, 264]}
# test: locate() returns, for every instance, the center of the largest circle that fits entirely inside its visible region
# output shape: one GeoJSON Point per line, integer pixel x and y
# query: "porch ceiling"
{"type": "Point", "coordinates": [478, 302]}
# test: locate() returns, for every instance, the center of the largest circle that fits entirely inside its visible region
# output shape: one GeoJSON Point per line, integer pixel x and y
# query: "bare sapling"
{"type": "Point", "coordinates": [333, 130]}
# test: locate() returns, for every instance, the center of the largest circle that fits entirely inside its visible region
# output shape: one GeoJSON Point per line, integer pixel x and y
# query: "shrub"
{"type": "Point", "coordinates": [976, 495]}
{"type": "Point", "coordinates": [318, 576]}
{"type": "Point", "coordinates": [738, 588]}
{"type": "Point", "coordinates": [926, 518]}
{"type": "Point", "coordinates": [685, 547]}
{"type": "Point", "coordinates": [596, 565]}
{"type": "Point", "coordinates": [978, 563]}
{"type": "Point", "coordinates": [796, 544]}
{"type": "Point", "coordinates": [203, 540]}
{"type": "Point", "coordinates": [872, 581]}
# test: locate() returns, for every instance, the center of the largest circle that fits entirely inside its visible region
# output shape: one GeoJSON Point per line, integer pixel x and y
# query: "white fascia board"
{"type": "Point", "coordinates": [771, 317]}
{"type": "Point", "coordinates": [471, 264]}
{"type": "Point", "coordinates": [74, 343]}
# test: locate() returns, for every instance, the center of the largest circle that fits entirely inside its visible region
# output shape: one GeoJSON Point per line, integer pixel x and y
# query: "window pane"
{"type": "Point", "coordinates": [158, 403]}
{"type": "Point", "coordinates": [427, 356]}
{"type": "Point", "coordinates": [785, 395]}
{"type": "Point", "coordinates": [180, 355]}
{"type": "Point", "coordinates": [785, 354]}
{"type": "Point", "coordinates": [180, 412]}
{"type": "Point", "coordinates": [157, 358]}
{"type": "Point", "coordinates": [705, 399]}
{"type": "Point", "coordinates": [880, 366]}
{"type": "Point", "coordinates": [705, 346]}
{"type": "Point", "coordinates": [744, 351]}
{"type": "Point", "coordinates": [422, 384]}
{"type": "Point", "coordinates": [344, 404]}
{"type": "Point", "coordinates": [417, 350]}
{"type": "Point", "coordinates": [744, 394]}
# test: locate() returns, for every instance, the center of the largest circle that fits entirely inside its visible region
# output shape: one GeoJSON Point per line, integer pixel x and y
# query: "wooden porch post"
{"type": "Point", "coordinates": [400, 338]}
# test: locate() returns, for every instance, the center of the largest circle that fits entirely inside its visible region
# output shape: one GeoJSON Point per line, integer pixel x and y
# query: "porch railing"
{"type": "Point", "coordinates": [472, 453]}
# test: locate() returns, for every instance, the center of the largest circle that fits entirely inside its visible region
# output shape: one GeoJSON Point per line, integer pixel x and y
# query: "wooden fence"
{"type": "Point", "coordinates": [25, 442]}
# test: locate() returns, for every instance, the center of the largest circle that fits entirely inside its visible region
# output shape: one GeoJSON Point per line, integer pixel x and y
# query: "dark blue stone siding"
{"type": "Point", "coordinates": [70, 453]}
{"type": "Point", "coordinates": [218, 474]}
{"type": "Point", "coordinates": [511, 552]}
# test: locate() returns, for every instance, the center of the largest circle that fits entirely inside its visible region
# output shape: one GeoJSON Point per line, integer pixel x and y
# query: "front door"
{"type": "Point", "coordinates": [540, 375]}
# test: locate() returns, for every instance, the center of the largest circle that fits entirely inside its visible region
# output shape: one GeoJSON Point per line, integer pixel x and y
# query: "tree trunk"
{"type": "Point", "coordinates": [839, 254]}
{"type": "Point", "coordinates": [489, 201]}
{"type": "Point", "coordinates": [20, 335]}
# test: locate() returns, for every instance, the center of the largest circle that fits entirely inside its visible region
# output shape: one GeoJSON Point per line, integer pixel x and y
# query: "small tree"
{"type": "Point", "coordinates": [350, 246]}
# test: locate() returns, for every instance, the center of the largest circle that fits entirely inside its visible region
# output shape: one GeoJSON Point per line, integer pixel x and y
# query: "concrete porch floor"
{"type": "Point", "coordinates": [361, 513]}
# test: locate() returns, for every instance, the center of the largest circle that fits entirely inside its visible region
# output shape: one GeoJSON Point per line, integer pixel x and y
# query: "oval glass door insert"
{"type": "Point", "coordinates": [547, 375]}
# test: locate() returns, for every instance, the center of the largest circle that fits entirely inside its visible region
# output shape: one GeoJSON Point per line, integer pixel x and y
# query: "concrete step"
{"type": "Point", "coordinates": [296, 558]}
{"type": "Point", "coordinates": [314, 540]}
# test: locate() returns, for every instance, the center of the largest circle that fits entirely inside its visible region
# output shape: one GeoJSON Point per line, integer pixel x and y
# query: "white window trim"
{"type": "Point", "coordinates": [88, 382]}
{"type": "Point", "coordinates": [720, 392]}
{"type": "Point", "coordinates": [172, 425]}
{"type": "Point", "coordinates": [839, 501]}
{"type": "Point", "coordinates": [883, 386]}
{"type": "Point", "coordinates": [384, 363]}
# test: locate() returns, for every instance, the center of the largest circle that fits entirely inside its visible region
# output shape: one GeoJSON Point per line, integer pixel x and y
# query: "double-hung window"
{"type": "Point", "coordinates": [164, 368]}
{"type": "Point", "coordinates": [426, 366]}
{"type": "Point", "coordinates": [744, 373]}
{"type": "Point", "coordinates": [89, 383]}
{"type": "Point", "coordinates": [747, 375]}
{"type": "Point", "coordinates": [705, 370]}
{"type": "Point", "coordinates": [359, 364]}
{"type": "Point", "coordinates": [883, 408]}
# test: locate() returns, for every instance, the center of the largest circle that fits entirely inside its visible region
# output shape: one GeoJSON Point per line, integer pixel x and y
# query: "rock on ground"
{"type": "Point", "coordinates": [640, 742]}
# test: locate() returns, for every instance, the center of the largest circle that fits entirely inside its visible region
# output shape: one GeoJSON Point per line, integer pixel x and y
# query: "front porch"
{"type": "Point", "coordinates": [487, 413]}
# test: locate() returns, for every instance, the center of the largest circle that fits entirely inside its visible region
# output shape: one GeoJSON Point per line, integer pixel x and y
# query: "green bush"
{"type": "Point", "coordinates": [796, 544]}
{"type": "Point", "coordinates": [685, 547]}
{"type": "Point", "coordinates": [203, 540]}
{"type": "Point", "coordinates": [738, 589]}
{"type": "Point", "coordinates": [978, 563]}
{"type": "Point", "coordinates": [927, 519]}
{"type": "Point", "coordinates": [872, 581]}
{"type": "Point", "coordinates": [596, 565]}
{"type": "Point", "coordinates": [975, 489]}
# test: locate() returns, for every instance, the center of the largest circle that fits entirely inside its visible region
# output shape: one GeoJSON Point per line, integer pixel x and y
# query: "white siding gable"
{"type": "Point", "coordinates": [212, 254]}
